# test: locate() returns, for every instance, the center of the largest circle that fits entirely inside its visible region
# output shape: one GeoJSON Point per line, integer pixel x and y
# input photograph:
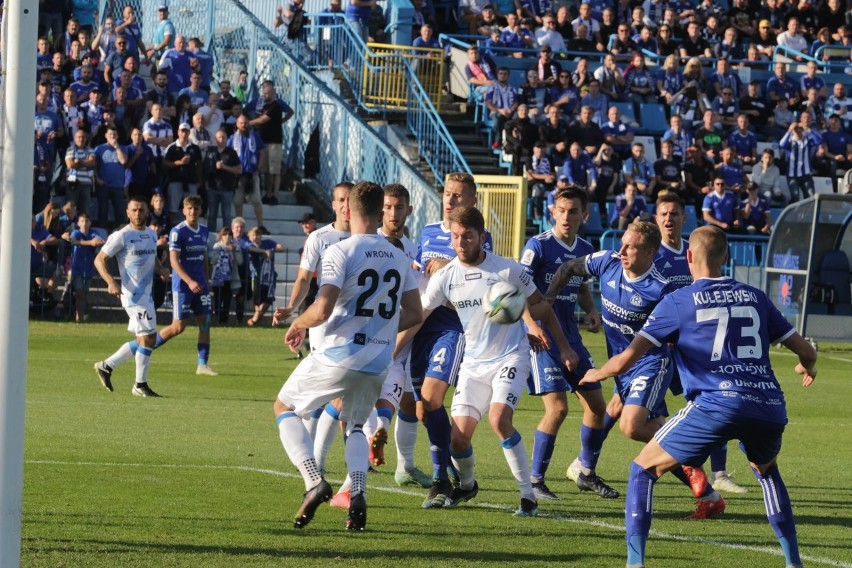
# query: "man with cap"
{"type": "Point", "coordinates": [182, 168]}
{"type": "Point", "coordinates": [308, 221]}
{"type": "Point", "coordinates": [164, 34]}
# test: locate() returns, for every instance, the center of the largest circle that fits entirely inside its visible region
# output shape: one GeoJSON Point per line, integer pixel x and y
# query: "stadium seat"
{"type": "Point", "coordinates": [650, 147]}
{"type": "Point", "coordinates": [653, 119]}
{"type": "Point", "coordinates": [742, 253]}
{"type": "Point", "coordinates": [593, 223]}
{"type": "Point", "coordinates": [690, 222]}
{"type": "Point", "coordinates": [823, 185]}
{"type": "Point", "coordinates": [626, 110]}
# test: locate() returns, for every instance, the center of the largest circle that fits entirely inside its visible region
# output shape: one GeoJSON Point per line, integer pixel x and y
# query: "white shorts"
{"type": "Point", "coordinates": [312, 384]}
{"type": "Point", "coordinates": [143, 318]}
{"type": "Point", "coordinates": [483, 384]}
{"type": "Point", "coordinates": [397, 382]}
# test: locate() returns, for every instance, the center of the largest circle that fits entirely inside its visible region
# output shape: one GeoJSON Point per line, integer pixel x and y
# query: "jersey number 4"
{"type": "Point", "coordinates": [745, 350]}
{"type": "Point", "coordinates": [370, 278]}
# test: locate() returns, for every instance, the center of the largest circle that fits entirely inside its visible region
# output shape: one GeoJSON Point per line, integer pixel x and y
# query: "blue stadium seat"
{"type": "Point", "coordinates": [653, 119]}
{"type": "Point", "coordinates": [690, 222]}
{"type": "Point", "coordinates": [593, 223]}
{"type": "Point", "coordinates": [742, 253]}
{"type": "Point", "coordinates": [626, 110]}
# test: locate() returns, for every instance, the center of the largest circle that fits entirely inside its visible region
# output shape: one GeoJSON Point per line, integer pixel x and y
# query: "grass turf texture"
{"type": "Point", "coordinates": [199, 477]}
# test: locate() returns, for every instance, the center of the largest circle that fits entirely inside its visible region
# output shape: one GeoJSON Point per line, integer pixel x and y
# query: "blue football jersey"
{"type": "Point", "coordinates": [192, 245]}
{"type": "Point", "coordinates": [722, 330]}
{"type": "Point", "coordinates": [435, 242]}
{"type": "Point", "coordinates": [542, 257]}
{"type": "Point", "coordinates": [625, 302]}
{"type": "Point", "coordinates": [672, 264]}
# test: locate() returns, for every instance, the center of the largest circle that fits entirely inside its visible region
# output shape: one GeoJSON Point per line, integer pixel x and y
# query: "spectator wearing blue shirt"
{"type": "Point", "coordinates": [756, 213]}
{"type": "Point", "coordinates": [680, 138]}
{"type": "Point", "coordinates": [252, 153]}
{"type": "Point", "coordinates": [629, 205]}
{"type": "Point", "coordinates": [640, 82]}
{"type": "Point", "coordinates": [262, 257]}
{"type": "Point", "coordinates": [514, 36]}
{"type": "Point", "coordinates": [109, 179]}
{"type": "Point", "coordinates": [838, 146]}
{"type": "Point", "coordinates": [726, 107]}
{"type": "Point", "coordinates": [85, 244]}
{"type": "Point", "coordinates": [48, 125]}
{"type": "Point", "coordinates": [595, 100]}
{"type": "Point", "coordinates": [480, 71]}
{"type": "Point", "coordinates": [579, 168]}
{"type": "Point", "coordinates": [141, 167]}
{"type": "Point", "coordinates": [164, 34]}
{"type": "Point", "coordinates": [42, 170]}
{"type": "Point", "coordinates": [197, 95]}
{"type": "Point", "coordinates": [427, 38]}
{"type": "Point", "coordinates": [810, 80]}
{"type": "Point", "coordinates": [501, 100]}
{"type": "Point", "coordinates": [780, 86]}
{"type": "Point", "coordinates": [357, 14]}
{"type": "Point", "coordinates": [724, 78]}
{"type": "Point", "coordinates": [114, 62]}
{"type": "Point", "coordinates": [201, 61]}
{"type": "Point", "coordinates": [743, 141]}
{"type": "Point", "coordinates": [129, 26]}
{"type": "Point", "coordinates": [732, 170]}
{"type": "Point", "coordinates": [639, 171]}
{"type": "Point", "coordinates": [175, 62]}
{"type": "Point", "coordinates": [617, 133]}
{"type": "Point", "coordinates": [721, 207]}
{"type": "Point", "coordinates": [799, 144]}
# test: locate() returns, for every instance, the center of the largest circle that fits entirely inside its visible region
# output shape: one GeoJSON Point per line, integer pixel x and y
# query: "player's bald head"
{"type": "Point", "coordinates": [709, 245]}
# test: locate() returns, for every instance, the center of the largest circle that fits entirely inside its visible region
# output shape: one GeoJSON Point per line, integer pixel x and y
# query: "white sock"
{"type": "Point", "coordinates": [310, 424]}
{"type": "Point", "coordinates": [405, 434]}
{"type": "Point", "coordinates": [465, 465]}
{"type": "Point", "coordinates": [143, 359]}
{"type": "Point", "coordinates": [326, 432]}
{"type": "Point", "coordinates": [347, 485]}
{"type": "Point", "coordinates": [123, 355]}
{"type": "Point", "coordinates": [297, 444]}
{"type": "Point", "coordinates": [371, 425]}
{"type": "Point", "coordinates": [357, 460]}
{"type": "Point", "coordinates": [516, 457]}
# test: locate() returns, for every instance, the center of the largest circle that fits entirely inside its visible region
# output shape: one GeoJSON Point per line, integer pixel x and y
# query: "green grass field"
{"type": "Point", "coordinates": [198, 478]}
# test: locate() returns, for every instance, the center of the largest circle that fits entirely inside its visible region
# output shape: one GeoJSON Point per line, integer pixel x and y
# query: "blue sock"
{"type": "Point", "coordinates": [438, 428]}
{"type": "Point", "coordinates": [639, 507]}
{"type": "Point", "coordinates": [779, 511]}
{"type": "Point", "coordinates": [316, 413]}
{"type": "Point", "coordinates": [134, 347]}
{"type": "Point", "coordinates": [406, 417]}
{"type": "Point", "coordinates": [543, 445]}
{"type": "Point", "coordinates": [385, 412]}
{"type": "Point", "coordinates": [719, 458]}
{"type": "Point", "coordinates": [591, 442]}
{"type": "Point", "coordinates": [508, 443]}
{"type": "Point", "coordinates": [331, 411]}
{"type": "Point", "coordinates": [203, 353]}
{"type": "Point", "coordinates": [159, 341]}
{"type": "Point", "coordinates": [609, 422]}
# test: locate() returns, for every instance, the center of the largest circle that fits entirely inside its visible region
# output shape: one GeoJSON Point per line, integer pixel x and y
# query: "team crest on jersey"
{"type": "Point", "coordinates": [528, 257]}
{"type": "Point", "coordinates": [636, 300]}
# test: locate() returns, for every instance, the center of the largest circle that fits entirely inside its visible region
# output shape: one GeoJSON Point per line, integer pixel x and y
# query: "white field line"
{"type": "Point", "coordinates": [773, 551]}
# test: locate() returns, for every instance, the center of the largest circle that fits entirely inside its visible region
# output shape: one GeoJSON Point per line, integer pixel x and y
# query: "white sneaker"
{"type": "Point", "coordinates": [574, 470]}
{"type": "Point", "coordinates": [723, 482]}
{"type": "Point", "coordinates": [206, 370]}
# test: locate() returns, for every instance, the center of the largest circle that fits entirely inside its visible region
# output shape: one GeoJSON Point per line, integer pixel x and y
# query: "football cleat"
{"type": "Point", "coordinates": [143, 390]}
{"type": "Point", "coordinates": [356, 520]}
{"type": "Point", "coordinates": [543, 493]}
{"type": "Point", "coordinates": [708, 509]}
{"type": "Point", "coordinates": [457, 495]}
{"type": "Point", "coordinates": [574, 471]}
{"type": "Point", "coordinates": [594, 483]}
{"type": "Point", "coordinates": [341, 500]}
{"type": "Point", "coordinates": [414, 476]}
{"type": "Point", "coordinates": [104, 374]}
{"type": "Point", "coordinates": [438, 494]}
{"type": "Point", "coordinates": [697, 479]}
{"type": "Point", "coordinates": [723, 482]}
{"type": "Point", "coordinates": [206, 370]}
{"type": "Point", "coordinates": [314, 497]}
{"type": "Point", "coordinates": [528, 508]}
{"type": "Point", "coordinates": [377, 447]}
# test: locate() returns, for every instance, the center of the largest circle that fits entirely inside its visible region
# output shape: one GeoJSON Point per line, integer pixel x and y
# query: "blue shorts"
{"type": "Point", "coordinates": [694, 432]}
{"type": "Point", "coordinates": [676, 387]}
{"type": "Point", "coordinates": [185, 304]}
{"type": "Point", "coordinates": [437, 356]}
{"type": "Point", "coordinates": [646, 383]}
{"type": "Point", "coordinates": [548, 374]}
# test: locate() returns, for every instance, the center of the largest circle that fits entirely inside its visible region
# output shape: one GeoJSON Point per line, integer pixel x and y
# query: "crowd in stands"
{"type": "Point", "coordinates": [595, 70]}
{"type": "Point", "coordinates": [107, 128]}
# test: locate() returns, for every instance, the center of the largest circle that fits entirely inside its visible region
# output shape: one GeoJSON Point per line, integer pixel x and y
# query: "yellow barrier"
{"type": "Point", "coordinates": [503, 202]}
{"type": "Point", "coordinates": [384, 82]}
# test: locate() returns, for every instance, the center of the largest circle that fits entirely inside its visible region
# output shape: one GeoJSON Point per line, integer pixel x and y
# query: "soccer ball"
{"type": "Point", "coordinates": [504, 303]}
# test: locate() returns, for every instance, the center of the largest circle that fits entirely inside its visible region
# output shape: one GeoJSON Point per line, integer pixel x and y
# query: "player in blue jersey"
{"type": "Point", "coordinates": [671, 262]}
{"type": "Point", "coordinates": [722, 330]}
{"type": "Point", "coordinates": [135, 248]}
{"type": "Point", "coordinates": [496, 361]}
{"type": "Point", "coordinates": [365, 281]}
{"type": "Point", "coordinates": [542, 256]}
{"type": "Point", "coordinates": [190, 290]}
{"type": "Point", "coordinates": [437, 347]}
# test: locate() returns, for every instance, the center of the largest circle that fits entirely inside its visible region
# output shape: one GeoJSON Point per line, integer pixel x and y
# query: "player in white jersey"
{"type": "Point", "coordinates": [365, 281]}
{"type": "Point", "coordinates": [323, 426]}
{"type": "Point", "coordinates": [496, 359]}
{"type": "Point", "coordinates": [135, 248]}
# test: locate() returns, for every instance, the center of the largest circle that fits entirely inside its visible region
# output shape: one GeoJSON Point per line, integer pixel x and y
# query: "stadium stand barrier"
{"type": "Point", "coordinates": [386, 73]}
{"type": "Point", "coordinates": [502, 200]}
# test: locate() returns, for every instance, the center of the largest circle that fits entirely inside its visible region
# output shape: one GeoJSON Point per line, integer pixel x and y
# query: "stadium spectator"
{"type": "Point", "coordinates": [520, 135]}
{"type": "Point", "coordinates": [159, 94]}
{"type": "Point", "coordinates": [622, 46]}
{"type": "Point", "coordinates": [541, 173]}
{"type": "Point", "coordinates": [639, 171]}
{"type": "Point", "coordinates": [212, 114]}
{"type": "Point", "coordinates": [680, 138]}
{"type": "Point", "coordinates": [608, 173]}
{"type": "Point", "coordinates": [158, 134]}
{"type": "Point", "coordinates": [182, 171]}
{"type": "Point", "coordinates": [767, 176]}
{"type": "Point", "coordinates": [582, 40]}
{"type": "Point", "coordinates": [63, 42]}
{"type": "Point", "coordinates": [197, 95]}
{"type": "Point", "coordinates": [708, 137]}
{"type": "Point", "coordinates": [514, 36]}
{"type": "Point", "coordinates": [227, 258]}
{"type": "Point", "coordinates": [694, 45]}
{"type": "Point", "coordinates": [80, 161]}
{"type": "Point", "coordinates": [42, 269]}
{"type": "Point", "coordinates": [270, 114]}
{"type": "Point", "coordinates": [141, 167]}
{"type": "Point", "coordinates": [563, 95]}
{"type": "Point", "coordinates": [262, 257]}
{"type": "Point", "coordinates": [548, 35]}
{"type": "Point", "coordinates": [757, 109]}
{"type": "Point", "coordinates": [114, 63]}
{"type": "Point", "coordinates": [221, 170]}
{"type": "Point", "coordinates": [535, 94]}
{"type": "Point", "coordinates": [175, 61]}
{"type": "Point", "coordinates": [357, 14]}
{"type": "Point", "coordinates": [480, 70]}
{"type": "Point", "coordinates": [781, 86]}
{"type": "Point", "coordinates": [489, 22]}
{"type": "Point", "coordinates": [198, 134]}
{"type": "Point", "coordinates": [183, 111]}
{"type": "Point", "coordinates": [756, 213]}
{"type": "Point", "coordinates": [108, 121]}
{"type": "Point", "coordinates": [42, 171]}
{"type": "Point", "coordinates": [84, 242]}
{"type": "Point", "coordinates": [799, 143]}
{"type": "Point", "coordinates": [629, 205]}
{"type": "Point", "coordinates": [110, 157]}
{"type": "Point", "coordinates": [553, 132]}
{"type": "Point", "coordinates": [669, 80]}
{"type": "Point", "coordinates": [732, 170]}
{"type": "Point", "coordinates": [596, 100]}
{"type": "Point", "coordinates": [201, 61]}
{"type": "Point", "coordinates": [617, 133]}
{"type": "Point", "coordinates": [725, 77]}
{"type": "Point", "coordinates": [470, 11]}
{"type": "Point", "coordinates": [743, 142]}
{"type": "Point", "coordinates": [668, 172]}
{"type": "Point", "coordinates": [252, 153]}
{"type": "Point", "coordinates": [578, 169]}
{"type": "Point", "coordinates": [837, 146]}
{"type": "Point", "coordinates": [725, 109]}
{"type": "Point", "coordinates": [666, 44]}
{"type": "Point", "coordinates": [730, 48]}
{"type": "Point", "coordinates": [586, 132]}
{"type": "Point", "coordinates": [164, 35]}
{"type": "Point", "coordinates": [721, 207]}
{"type": "Point", "coordinates": [792, 39]}
{"type": "Point", "coordinates": [838, 103]}
{"type": "Point", "coordinates": [611, 78]}
{"type": "Point", "coordinates": [501, 102]}
{"type": "Point", "coordinates": [639, 83]}
{"type": "Point", "coordinates": [129, 26]}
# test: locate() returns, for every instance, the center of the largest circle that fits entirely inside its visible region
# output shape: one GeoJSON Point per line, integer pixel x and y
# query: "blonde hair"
{"type": "Point", "coordinates": [670, 64]}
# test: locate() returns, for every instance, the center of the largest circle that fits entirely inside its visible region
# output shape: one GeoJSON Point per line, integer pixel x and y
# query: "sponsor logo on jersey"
{"type": "Point", "coordinates": [473, 276]}
{"type": "Point", "coordinates": [360, 339]}
{"type": "Point", "coordinates": [467, 303]}
{"type": "Point", "coordinates": [611, 284]}
{"type": "Point", "coordinates": [626, 288]}
{"type": "Point", "coordinates": [454, 285]}
{"type": "Point", "coordinates": [725, 385]}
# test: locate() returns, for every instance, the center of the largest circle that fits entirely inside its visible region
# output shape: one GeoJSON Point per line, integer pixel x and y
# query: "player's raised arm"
{"type": "Point", "coordinates": [576, 267]}
{"type": "Point", "coordinates": [412, 310]}
{"type": "Point", "coordinates": [807, 357]}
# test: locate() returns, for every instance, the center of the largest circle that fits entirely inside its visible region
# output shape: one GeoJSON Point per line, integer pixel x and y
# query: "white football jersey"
{"type": "Point", "coordinates": [136, 253]}
{"type": "Point", "coordinates": [315, 246]}
{"type": "Point", "coordinates": [372, 276]}
{"type": "Point", "coordinates": [464, 288]}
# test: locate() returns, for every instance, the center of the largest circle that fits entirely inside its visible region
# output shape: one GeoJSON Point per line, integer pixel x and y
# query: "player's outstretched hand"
{"type": "Point", "coordinates": [280, 315]}
{"type": "Point", "coordinates": [294, 338]}
{"type": "Point", "coordinates": [808, 375]}
{"type": "Point", "coordinates": [569, 357]}
{"type": "Point", "coordinates": [592, 376]}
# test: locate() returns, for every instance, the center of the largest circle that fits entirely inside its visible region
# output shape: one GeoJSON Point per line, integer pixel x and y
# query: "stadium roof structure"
{"type": "Point", "coordinates": [807, 270]}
